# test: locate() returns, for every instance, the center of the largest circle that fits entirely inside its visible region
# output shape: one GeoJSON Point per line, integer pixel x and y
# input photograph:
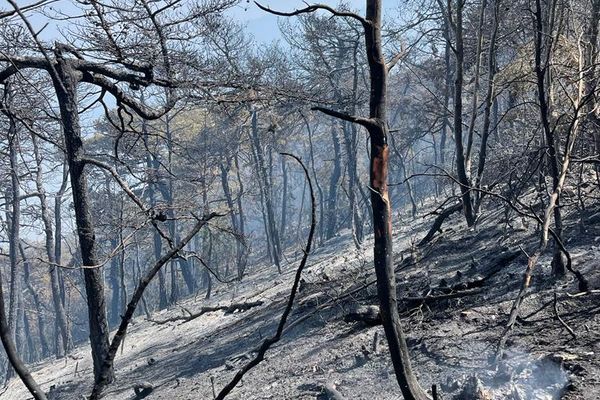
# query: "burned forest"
{"type": "Point", "coordinates": [351, 199]}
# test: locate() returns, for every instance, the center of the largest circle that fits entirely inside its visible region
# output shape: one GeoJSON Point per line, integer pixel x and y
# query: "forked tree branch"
{"type": "Point", "coordinates": [395, 59]}
{"type": "Point", "coordinates": [150, 212]}
{"type": "Point", "coordinates": [41, 3]}
{"type": "Point", "coordinates": [137, 296]}
{"type": "Point", "coordinates": [124, 98]}
{"type": "Point", "coordinates": [314, 7]}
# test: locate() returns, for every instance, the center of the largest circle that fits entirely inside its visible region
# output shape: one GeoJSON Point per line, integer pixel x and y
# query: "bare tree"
{"type": "Point", "coordinates": [377, 126]}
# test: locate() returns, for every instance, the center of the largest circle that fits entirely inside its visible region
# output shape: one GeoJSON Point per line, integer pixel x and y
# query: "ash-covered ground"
{"type": "Point", "coordinates": [455, 292]}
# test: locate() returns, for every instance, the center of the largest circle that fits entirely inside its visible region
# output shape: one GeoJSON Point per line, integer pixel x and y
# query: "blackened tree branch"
{"type": "Point", "coordinates": [266, 345]}
{"type": "Point", "coordinates": [312, 8]}
{"type": "Point", "coordinates": [145, 280]}
{"type": "Point", "coordinates": [366, 122]}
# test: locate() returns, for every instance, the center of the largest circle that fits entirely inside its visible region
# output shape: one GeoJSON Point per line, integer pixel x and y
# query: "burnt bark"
{"type": "Point", "coordinates": [41, 322]}
{"type": "Point", "coordinates": [447, 93]}
{"type": "Point", "coordinates": [236, 211]}
{"type": "Point", "coordinates": [377, 127]}
{"type": "Point", "coordinates": [334, 179]}
{"type": "Point", "coordinates": [489, 102]}
{"type": "Point", "coordinates": [152, 166]}
{"type": "Point", "coordinates": [543, 50]}
{"type": "Point", "coordinates": [313, 168]}
{"type": "Point", "coordinates": [115, 302]}
{"type": "Point", "coordinates": [13, 354]}
{"type": "Point", "coordinates": [242, 251]}
{"type": "Point", "coordinates": [266, 190]}
{"type": "Point", "coordinates": [56, 279]}
{"type": "Point", "coordinates": [284, 201]}
{"type": "Point", "coordinates": [65, 84]}
{"type": "Point", "coordinates": [52, 241]}
{"type": "Point", "coordinates": [13, 217]}
{"type": "Point", "coordinates": [461, 166]}
{"type": "Point", "coordinates": [476, 84]}
{"type": "Point", "coordinates": [350, 133]}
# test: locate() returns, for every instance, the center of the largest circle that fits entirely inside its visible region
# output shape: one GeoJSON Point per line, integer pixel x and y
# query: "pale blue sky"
{"type": "Point", "coordinates": [262, 25]}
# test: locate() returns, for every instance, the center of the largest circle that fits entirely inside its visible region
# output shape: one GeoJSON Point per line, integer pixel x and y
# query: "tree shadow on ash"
{"type": "Point", "coordinates": [215, 350]}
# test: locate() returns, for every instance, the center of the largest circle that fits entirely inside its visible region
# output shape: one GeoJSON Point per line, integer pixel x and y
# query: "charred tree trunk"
{"type": "Point", "coordinates": [162, 286]}
{"type": "Point", "coordinates": [350, 133]}
{"type": "Point", "coordinates": [13, 217]}
{"type": "Point", "coordinates": [284, 202]}
{"type": "Point", "coordinates": [53, 247]}
{"type": "Point", "coordinates": [377, 127]}
{"type": "Point", "coordinates": [122, 284]}
{"type": "Point", "coordinates": [8, 327]}
{"type": "Point", "coordinates": [152, 172]}
{"type": "Point", "coordinates": [590, 68]}
{"type": "Point", "coordinates": [447, 94]}
{"type": "Point", "coordinates": [13, 354]}
{"type": "Point", "coordinates": [475, 96]}
{"type": "Point", "coordinates": [207, 255]}
{"type": "Point", "coordinates": [45, 348]}
{"type": "Point", "coordinates": [149, 274]}
{"type": "Point", "coordinates": [115, 287]}
{"type": "Point", "coordinates": [321, 224]}
{"type": "Point", "coordinates": [380, 204]}
{"type": "Point", "coordinates": [242, 252]}
{"type": "Point", "coordinates": [263, 175]}
{"type": "Point", "coordinates": [114, 272]}
{"type": "Point", "coordinates": [138, 269]}
{"type": "Point", "coordinates": [55, 255]}
{"type": "Point", "coordinates": [489, 102]}
{"type": "Point", "coordinates": [461, 170]}
{"type": "Point", "coordinates": [225, 167]}
{"type": "Point", "coordinates": [237, 222]}
{"type": "Point", "coordinates": [263, 210]}
{"type": "Point", "coordinates": [65, 85]}
{"type": "Point", "coordinates": [333, 185]}
{"type": "Point", "coordinates": [403, 166]}
{"type": "Point", "coordinates": [357, 222]}
{"type": "Point", "coordinates": [30, 348]}
{"type": "Point", "coordinates": [542, 55]}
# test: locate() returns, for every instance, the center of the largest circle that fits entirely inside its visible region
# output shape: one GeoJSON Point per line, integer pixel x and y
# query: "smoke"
{"type": "Point", "coordinates": [540, 378]}
{"type": "Point", "coordinates": [518, 376]}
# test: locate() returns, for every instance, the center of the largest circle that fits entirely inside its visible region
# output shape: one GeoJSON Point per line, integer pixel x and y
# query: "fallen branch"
{"type": "Point", "coordinates": [437, 224]}
{"type": "Point", "coordinates": [562, 322]}
{"type": "Point", "coordinates": [228, 310]}
{"type": "Point", "coordinates": [497, 264]}
{"type": "Point", "coordinates": [371, 317]}
{"type": "Point", "coordinates": [351, 292]}
{"type": "Point", "coordinates": [434, 298]}
{"type": "Point", "coordinates": [545, 222]}
{"type": "Point", "coordinates": [274, 339]}
{"type": "Point", "coordinates": [580, 294]}
{"type": "Point", "coordinates": [514, 312]}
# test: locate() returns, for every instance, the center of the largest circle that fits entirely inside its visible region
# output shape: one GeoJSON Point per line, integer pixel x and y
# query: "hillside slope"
{"type": "Point", "coordinates": [451, 339]}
